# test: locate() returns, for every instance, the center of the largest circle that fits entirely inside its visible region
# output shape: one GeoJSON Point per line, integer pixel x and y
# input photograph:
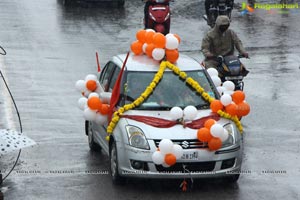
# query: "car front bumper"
{"type": "Point", "coordinates": [221, 163]}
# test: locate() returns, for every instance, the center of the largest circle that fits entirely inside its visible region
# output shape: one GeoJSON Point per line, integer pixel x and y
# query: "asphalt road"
{"type": "Point", "coordinates": [49, 47]}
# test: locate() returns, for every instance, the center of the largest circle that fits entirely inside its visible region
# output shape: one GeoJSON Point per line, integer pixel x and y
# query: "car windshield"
{"type": "Point", "coordinates": [171, 90]}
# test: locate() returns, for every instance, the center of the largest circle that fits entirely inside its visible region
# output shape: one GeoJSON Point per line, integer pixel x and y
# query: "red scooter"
{"type": "Point", "coordinates": [158, 17]}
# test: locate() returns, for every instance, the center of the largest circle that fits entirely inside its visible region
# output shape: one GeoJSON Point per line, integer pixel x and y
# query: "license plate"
{"type": "Point", "coordinates": [190, 155]}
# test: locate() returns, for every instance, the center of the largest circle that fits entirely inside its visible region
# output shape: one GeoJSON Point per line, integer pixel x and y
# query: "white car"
{"type": "Point", "coordinates": [133, 143]}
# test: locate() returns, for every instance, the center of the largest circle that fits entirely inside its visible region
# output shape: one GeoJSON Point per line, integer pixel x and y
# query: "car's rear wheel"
{"type": "Point", "coordinates": [89, 132]}
{"type": "Point", "coordinates": [114, 166]}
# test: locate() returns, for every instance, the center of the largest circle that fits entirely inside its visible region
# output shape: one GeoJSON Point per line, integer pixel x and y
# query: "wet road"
{"type": "Point", "coordinates": [50, 47]}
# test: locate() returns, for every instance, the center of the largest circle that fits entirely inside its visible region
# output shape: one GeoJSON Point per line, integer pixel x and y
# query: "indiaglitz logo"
{"type": "Point", "coordinates": [280, 8]}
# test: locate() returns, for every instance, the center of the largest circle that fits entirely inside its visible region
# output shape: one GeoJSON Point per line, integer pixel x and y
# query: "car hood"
{"type": "Point", "coordinates": [177, 131]}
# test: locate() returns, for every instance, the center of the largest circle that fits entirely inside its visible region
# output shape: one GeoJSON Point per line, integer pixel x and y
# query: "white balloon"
{"type": "Point", "coordinates": [229, 85]}
{"type": "Point", "coordinates": [224, 136]}
{"type": "Point", "coordinates": [190, 113]}
{"type": "Point", "coordinates": [82, 103]}
{"type": "Point", "coordinates": [91, 77]}
{"type": "Point", "coordinates": [177, 151]}
{"type": "Point", "coordinates": [101, 119]}
{"type": "Point", "coordinates": [212, 72]}
{"type": "Point", "coordinates": [216, 130]}
{"type": "Point", "coordinates": [144, 47]}
{"type": "Point", "coordinates": [149, 29]}
{"type": "Point", "coordinates": [165, 146]}
{"type": "Point", "coordinates": [172, 42]}
{"type": "Point", "coordinates": [80, 85]}
{"type": "Point", "coordinates": [93, 94]}
{"type": "Point", "coordinates": [86, 93]}
{"type": "Point", "coordinates": [158, 53]}
{"type": "Point", "coordinates": [176, 113]}
{"type": "Point", "coordinates": [158, 158]}
{"type": "Point", "coordinates": [89, 114]}
{"type": "Point", "coordinates": [170, 35]}
{"type": "Point", "coordinates": [226, 99]}
{"type": "Point", "coordinates": [221, 89]}
{"type": "Point", "coordinates": [165, 165]}
{"type": "Point", "coordinates": [229, 92]}
{"type": "Point", "coordinates": [216, 80]}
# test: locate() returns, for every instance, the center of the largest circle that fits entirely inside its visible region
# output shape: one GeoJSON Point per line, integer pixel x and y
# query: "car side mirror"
{"type": "Point", "coordinates": [105, 97]}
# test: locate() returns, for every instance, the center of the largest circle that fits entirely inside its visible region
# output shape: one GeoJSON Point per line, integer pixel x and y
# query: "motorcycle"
{"type": "Point", "coordinates": [230, 68]}
{"type": "Point", "coordinates": [218, 7]}
{"type": "Point", "coordinates": [158, 17]}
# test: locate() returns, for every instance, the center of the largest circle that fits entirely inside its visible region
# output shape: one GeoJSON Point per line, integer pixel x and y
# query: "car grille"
{"type": "Point", "coordinates": [188, 167]}
{"type": "Point", "coordinates": [187, 144]}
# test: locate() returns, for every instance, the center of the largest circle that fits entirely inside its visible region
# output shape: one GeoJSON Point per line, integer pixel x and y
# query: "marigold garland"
{"type": "Point", "coordinates": [158, 76]}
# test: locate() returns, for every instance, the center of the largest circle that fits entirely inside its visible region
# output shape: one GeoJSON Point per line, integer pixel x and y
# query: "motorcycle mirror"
{"type": "Point", "coordinates": [220, 59]}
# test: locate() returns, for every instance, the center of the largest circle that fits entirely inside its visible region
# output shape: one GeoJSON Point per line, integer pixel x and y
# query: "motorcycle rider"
{"type": "Point", "coordinates": [214, 3]}
{"type": "Point", "coordinates": [146, 9]}
{"type": "Point", "coordinates": [221, 41]}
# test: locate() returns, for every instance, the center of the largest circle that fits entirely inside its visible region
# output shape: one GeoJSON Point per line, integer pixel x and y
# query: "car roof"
{"type": "Point", "coordinates": [144, 63]}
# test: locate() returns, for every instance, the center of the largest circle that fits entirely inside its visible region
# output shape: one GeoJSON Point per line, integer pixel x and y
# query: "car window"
{"type": "Point", "coordinates": [106, 75]}
{"type": "Point", "coordinates": [114, 78]}
{"type": "Point", "coordinates": [171, 91]}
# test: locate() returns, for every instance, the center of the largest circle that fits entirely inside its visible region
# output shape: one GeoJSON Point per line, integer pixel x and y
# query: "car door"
{"type": "Point", "coordinates": [107, 81]}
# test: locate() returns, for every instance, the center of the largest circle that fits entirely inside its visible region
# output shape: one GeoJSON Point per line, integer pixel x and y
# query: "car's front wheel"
{"type": "Point", "coordinates": [89, 132]}
{"type": "Point", "coordinates": [232, 179]}
{"type": "Point", "coordinates": [114, 166]}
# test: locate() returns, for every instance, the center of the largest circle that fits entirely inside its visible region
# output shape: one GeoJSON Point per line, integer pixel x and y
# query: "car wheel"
{"type": "Point", "coordinates": [114, 166]}
{"type": "Point", "coordinates": [232, 179]}
{"type": "Point", "coordinates": [89, 132]}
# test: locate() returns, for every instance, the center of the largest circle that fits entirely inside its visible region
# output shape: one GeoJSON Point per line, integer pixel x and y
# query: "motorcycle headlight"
{"type": "Point", "coordinates": [136, 137]}
{"type": "Point", "coordinates": [231, 136]}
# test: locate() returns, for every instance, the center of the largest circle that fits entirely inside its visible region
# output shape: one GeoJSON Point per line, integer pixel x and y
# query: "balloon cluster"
{"type": "Point", "coordinates": [94, 109]}
{"type": "Point", "coordinates": [232, 102]}
{"type": "Point", "coordinates": [88, 85]}
{"type": "Point", "coordinates": [167, 153]}
{"type": "Point", "coordinates": [188, 113]}
{"type": "Point", "coordinates": [156, 45]}
{"type": "Point", "coordinates": [212, 133]}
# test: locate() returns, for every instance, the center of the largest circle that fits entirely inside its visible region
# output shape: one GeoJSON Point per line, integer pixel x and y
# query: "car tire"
{"type": "Point", "coordinates": [114, 166]}
{"type": "Point", "coordinates": [89, 132]}
{"type": "Point", "coordinates": [232, 179]}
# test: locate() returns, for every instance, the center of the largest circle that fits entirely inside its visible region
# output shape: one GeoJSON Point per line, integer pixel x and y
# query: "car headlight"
{"type": "Point", "coordinates": [231, 136]}
{"type": "Point", "coordinates": [136, 137]}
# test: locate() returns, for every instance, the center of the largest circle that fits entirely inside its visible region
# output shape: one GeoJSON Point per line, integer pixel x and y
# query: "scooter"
{"type": "Point", "coordinates": [230, 68]}
{"type": "Point", "coordinates": [218, 7]}
{"type": "Point", "coordinates": [158, 17]}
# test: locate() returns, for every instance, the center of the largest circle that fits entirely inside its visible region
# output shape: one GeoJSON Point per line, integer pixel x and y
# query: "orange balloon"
{"type": "Point", "coordinates": [170, 159]}
{"type": "Point", "coordinates": [149, 37]}
{"type": "Point", "coordinates": [208, 123]}
{"type": "Point", "coordinates": [238, 96]}
{"type": "Point", "coordinates": [137, 47]}
{"type": "Point", "coordinates": [159, 40]}
{"type": "Point", "coordinates": [94, 103]}
{"type": "Point", "coordinates": [141, 35]}
{"type": "Point", "coordinates": [149, 49]}
{"type": "Point", "coordinates": [231, 109]}
{"type": "Point", "coordinates": [204, 135]}
{"type": "Point", "coordinates": [243, 109]}
{"type": "Point", "coordinates": [91, 85]}
{"type": "Point", "coordinates": [172, 55]}
{"type": "Point", "coordinates": [214, 144]}
{"type": "Point", "coordinates": [216, 105]}
{"type": "Point", "coordinates": [178, 38]}
{"type": "Point", "coordinates": [104, 109]}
